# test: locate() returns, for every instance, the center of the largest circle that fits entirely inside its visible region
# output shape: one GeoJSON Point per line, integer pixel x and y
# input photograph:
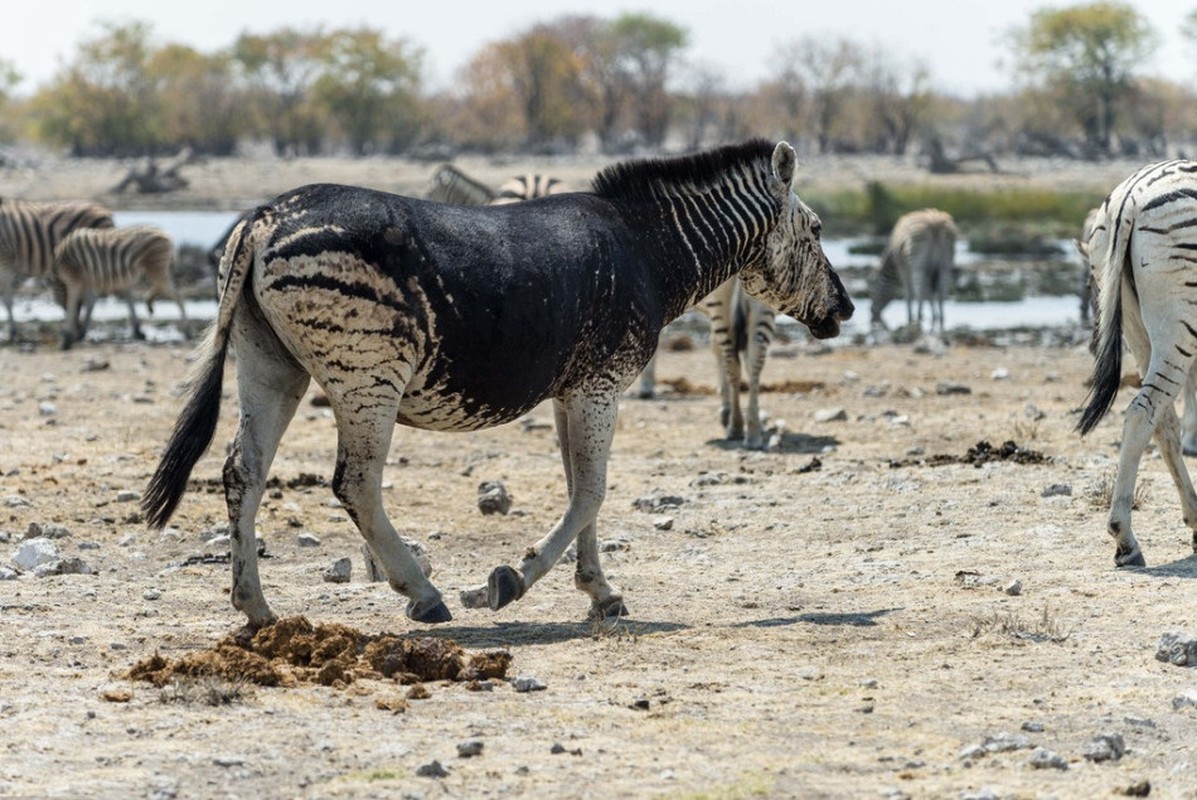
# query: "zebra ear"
{"type": "Point", "coordinates": [784, 162]}
{"type": "Point", "coordinates": [1082, 248]}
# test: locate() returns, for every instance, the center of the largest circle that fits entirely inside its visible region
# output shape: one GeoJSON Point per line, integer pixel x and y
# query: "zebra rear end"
{"type": "Point", "coordinates": [1141, 250]}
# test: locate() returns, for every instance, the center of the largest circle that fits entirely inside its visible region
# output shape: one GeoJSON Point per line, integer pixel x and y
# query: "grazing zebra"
{"type": "Point", "coordinates": [29, 232]}
{"type": "Point", "coordinates": [94, 261]}
{"type": "Point", "coordinates": [739, 324]}
{"type": "Point", "coordinates": [458, 318]}
{"type": "Point", "coordinates": [1141, 250]}
{"type": "Point", "coordinates": [451, 185]}
{"type": "Point", "coordinates": [529, 187]}
{"type": "Point", "coordinates": [920, 255]}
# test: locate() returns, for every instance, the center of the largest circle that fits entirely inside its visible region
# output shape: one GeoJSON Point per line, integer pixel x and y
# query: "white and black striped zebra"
{"type": "Point", "coordinates": [457, 318]}
{"type": "Point", "coordinates": [1142, 249]}
{"type": "Point", "coordinates": [529, 187]}
{"type": "Point", "coordinates": [29, 232]}
{"type": "Point", "coordinates": [919, 256]}
{"type": "Point", "coordinates": [94, 261]}
{"type": "Point", "coordinates": [450, 185]}
{"type": "Point", "coordinates": [742, 328]}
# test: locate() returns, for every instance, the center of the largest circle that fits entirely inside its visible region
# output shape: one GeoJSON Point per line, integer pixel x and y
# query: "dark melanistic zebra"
{"type": "Point", "coordinates": [920, 257]}
{"type": "Point", "coordinates": [29, 232]}
{"type": "Point", "coordinates": [740, 324]}
{"type": "Point", "coordinates": [89, 262]}
{"type": "Point", "coordinates": [1141, 248]}
{"type": "Point", "coordinates": [450, 185]}
{"type": "Point", "coordinates": [457, 318]}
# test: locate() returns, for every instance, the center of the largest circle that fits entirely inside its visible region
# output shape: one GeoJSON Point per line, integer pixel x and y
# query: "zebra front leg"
{"type": "Point", "coordinates": [365, 423]}
{"type": "Point", "coordinates": [134, 322]}
{"type": "Point", "coordinates": [589, 428]}
{"type": "Point", "coordinates": [71, 331]}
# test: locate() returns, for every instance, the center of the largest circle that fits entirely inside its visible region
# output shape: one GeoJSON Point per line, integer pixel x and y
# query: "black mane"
{"type": "Point", "coordinates": [639, 180]}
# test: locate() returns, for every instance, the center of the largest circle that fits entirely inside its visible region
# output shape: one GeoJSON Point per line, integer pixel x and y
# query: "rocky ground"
{"type": "Point", "coordinates": [877, 606]}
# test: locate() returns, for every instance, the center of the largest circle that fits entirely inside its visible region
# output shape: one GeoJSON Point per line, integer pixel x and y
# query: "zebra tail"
{"type": "Point", "coordinates": [196, 425]}
{"type": "Point", "coordinates": [1107, 368]}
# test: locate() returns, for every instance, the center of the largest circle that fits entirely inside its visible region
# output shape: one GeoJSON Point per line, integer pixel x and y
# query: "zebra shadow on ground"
{"type": "Point", "coordinates": [507, 634]}
{"type": "Point", "coordinates": [853, 619]}
{"type": "Point", "coordinates": [789, 442]}
{"type": "Point", "coordinates": [1180, 568]}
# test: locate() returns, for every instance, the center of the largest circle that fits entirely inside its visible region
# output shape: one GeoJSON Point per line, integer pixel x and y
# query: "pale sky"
{"type": "Point", "coordinates": [961, 40]}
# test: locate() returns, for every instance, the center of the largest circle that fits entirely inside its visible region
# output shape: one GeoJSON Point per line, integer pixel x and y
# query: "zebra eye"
{"type": "Point", "coordinates": [817, 229]}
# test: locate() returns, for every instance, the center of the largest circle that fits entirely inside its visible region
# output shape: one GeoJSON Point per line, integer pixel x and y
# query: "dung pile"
{"type": "Point", "coordinates": [294, 652]}
{"type": "Point", "coordinates": [980, 453]}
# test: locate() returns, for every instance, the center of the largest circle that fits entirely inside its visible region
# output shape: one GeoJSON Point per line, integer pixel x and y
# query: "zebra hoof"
{"type": "Point", "coordinates": [503, 586]}
{"type": "Point", "coordinates": [1131, 558]}
{"type": "Point", "coordinates": [430, 616]}
{"type": "Point", "coordinates": [611, 609]}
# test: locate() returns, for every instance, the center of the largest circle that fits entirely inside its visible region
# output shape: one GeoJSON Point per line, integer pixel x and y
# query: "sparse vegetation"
{"type": "Point", "coordinates": [1007, 623]}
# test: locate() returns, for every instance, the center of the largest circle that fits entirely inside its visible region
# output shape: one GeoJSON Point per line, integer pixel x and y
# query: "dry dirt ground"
{"type": "Point", "coordinates": [816, 621]}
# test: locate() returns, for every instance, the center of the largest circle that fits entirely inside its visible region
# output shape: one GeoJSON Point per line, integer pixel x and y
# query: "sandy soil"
{"type": "Point", "coordinates": [815, 622]}
{"type": "Point", "coordinates": [236, 183]}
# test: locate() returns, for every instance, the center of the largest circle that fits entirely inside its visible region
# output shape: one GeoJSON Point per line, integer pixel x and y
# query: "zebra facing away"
{"type": "Point", "coordinates": [740, 324]}
{"type": "Point", "coordinates": [1141, 249]}
{"type": "Point", "coordinates": [94, 261]}
{"type": "Point", "coordinates": [29, 232]}
{"type": "Point", "coordinates": [437, 317]}
{"type": "Point", "coordinates": [449, 184]}
{"type": "Point", "coordinates": [920, 256]}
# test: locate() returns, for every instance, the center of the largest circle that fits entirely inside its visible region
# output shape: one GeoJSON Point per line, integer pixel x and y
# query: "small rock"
{"type": "Point", "coordinates": [1179, 649]}
{"type": "Point", "coordinates": [469, 749]}
{"type": "Point", "coordinates": [1057, 490]}
{"type": "Point", "coordinates": [557, 748]}
{"type": "Point", "coordinates": [127, 496]}
{"type": "Point", "coordinates": [151, 594]}
{"type": "Point", "coordinates": [663, 523]}
{"type": "Point", "coordinates": [1186, 699]}
{"type": "Point", "coordinates": [307, 540]}
{"type": "Point", "coordinates": [48, 531]}
{"type": "Point", "coordinates": [836, 414]}
{"type": "Point", "coordinates": [32, 553]}
{"type": "Point", "coordinates": [657, 502]}
{"type": "Point", "coordinates": [94, 365]}
{"type": "Point", "coordinates": [710, 479]}
{"type": "Point", "coordinates": [528, 684]}
{"type": "Point", "coordinates": [493, 498]}
{"type": "Point", "coordinates": [1033, 727]}
{"type": "Point", "coordinates": [16, 501]}
{"type": "Point", "coordinates": [65, 566]}
{"type": "Point", "coordinates": [7, 574]}
{"type": "Point", "coordinates": [432, 770]}
{"type": "Point", "coordinates": [613, 545]}
{"type": "Point", "coordinates": [1042, 758]}
{"type": "Point", "coordinates": [1013, 588]}
{"type": "Point", "coordinates": [47, 409]}
{"type": "Point", "coordinates": [641, 704]}
{"type": "Point", "coordinates": [1000, 374]}
{"type": "Point", "coordinates": [1105, 747]}
{"type": "Point", "coordinates": [338, 571]}
{"type": "Point", "coordinates": [943, 388]}
{"type": "Point", "coordinates": [1139, 789]}
{"type": "Point", "coordinates": [229, 761]}
{"type": "Point", "coordinates": [1005, 742]}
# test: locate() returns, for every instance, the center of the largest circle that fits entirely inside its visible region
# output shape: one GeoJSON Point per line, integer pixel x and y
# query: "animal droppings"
{"type": "Point", "coordinates": [293, 652]}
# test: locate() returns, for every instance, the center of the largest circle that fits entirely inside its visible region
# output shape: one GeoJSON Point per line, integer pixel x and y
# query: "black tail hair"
{"type": "Point", "coordinates": [1107, 370]}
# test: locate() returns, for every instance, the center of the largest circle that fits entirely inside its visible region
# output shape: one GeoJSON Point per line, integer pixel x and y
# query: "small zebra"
{"type": "Point", "coordinates": [740, 324]}
{"type": "Point", "coordinates": [1141, 251]}
{"type": "Point", "coordinates": [529, 187]}
{"type": "Point", "coordinates": [455, 318]}
{"type": "Point", "coordinates": [29, 232]}
{"type": "Point", "coordinates": [919, 256]}
{"type": "Point", "coordinates": [94, 261]}
{"type": "Point", "coordinates": [450, 185]}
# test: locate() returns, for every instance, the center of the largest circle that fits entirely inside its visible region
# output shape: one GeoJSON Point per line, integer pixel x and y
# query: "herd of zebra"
{"type": "Point", "coordinates": [75, 247]}
{"type": "Point", "coordinates": [391, 305]}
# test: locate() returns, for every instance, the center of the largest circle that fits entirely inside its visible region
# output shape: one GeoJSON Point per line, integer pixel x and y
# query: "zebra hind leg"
{"type": "Point", "coordinates": [1167, 437]}
{"type": "Point", "coordinates": [365, 422]}
{"type": "Point", "coordinates": [1188, 427]}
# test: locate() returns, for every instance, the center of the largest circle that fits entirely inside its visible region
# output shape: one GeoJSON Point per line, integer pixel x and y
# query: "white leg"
{"type": "Point", "coordinates": [590, 426]}
{"type": "Point", "coordinates": [648, 379]}
{"type": "Point", "coordinates": [758, 349]}
{"type": "Point", "coordinates": [1188, 428]}
{"type": "Point", "coordinates": [365, 417]}
{"type": "Point", "coordinates": [270, 389]}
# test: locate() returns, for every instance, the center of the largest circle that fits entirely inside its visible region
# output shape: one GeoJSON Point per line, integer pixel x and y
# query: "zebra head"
{"type": "Point", "coordinates": [793, 274]}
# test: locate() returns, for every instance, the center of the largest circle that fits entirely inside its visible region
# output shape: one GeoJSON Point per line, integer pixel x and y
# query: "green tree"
{"type": "Point", "coordinates": [104, 102]}
{"type": "Point", "coordinates": [1086, 54]}
{"type": "Point", "coordinates": [201, 108]}
{"type": "Point", "coordinates": [370, 87]}
{"type": "Point", "coordinates": [281, 69]}
{"type": "Point", "coordinates": [646, 50]}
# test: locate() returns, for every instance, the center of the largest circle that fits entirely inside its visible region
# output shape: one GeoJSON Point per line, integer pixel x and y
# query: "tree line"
{"type": "Point", "coordinates": [620, 84]}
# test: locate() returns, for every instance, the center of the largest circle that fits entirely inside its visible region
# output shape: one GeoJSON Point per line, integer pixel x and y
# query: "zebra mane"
{"type": "Point", "coordinates": [648, 179]}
